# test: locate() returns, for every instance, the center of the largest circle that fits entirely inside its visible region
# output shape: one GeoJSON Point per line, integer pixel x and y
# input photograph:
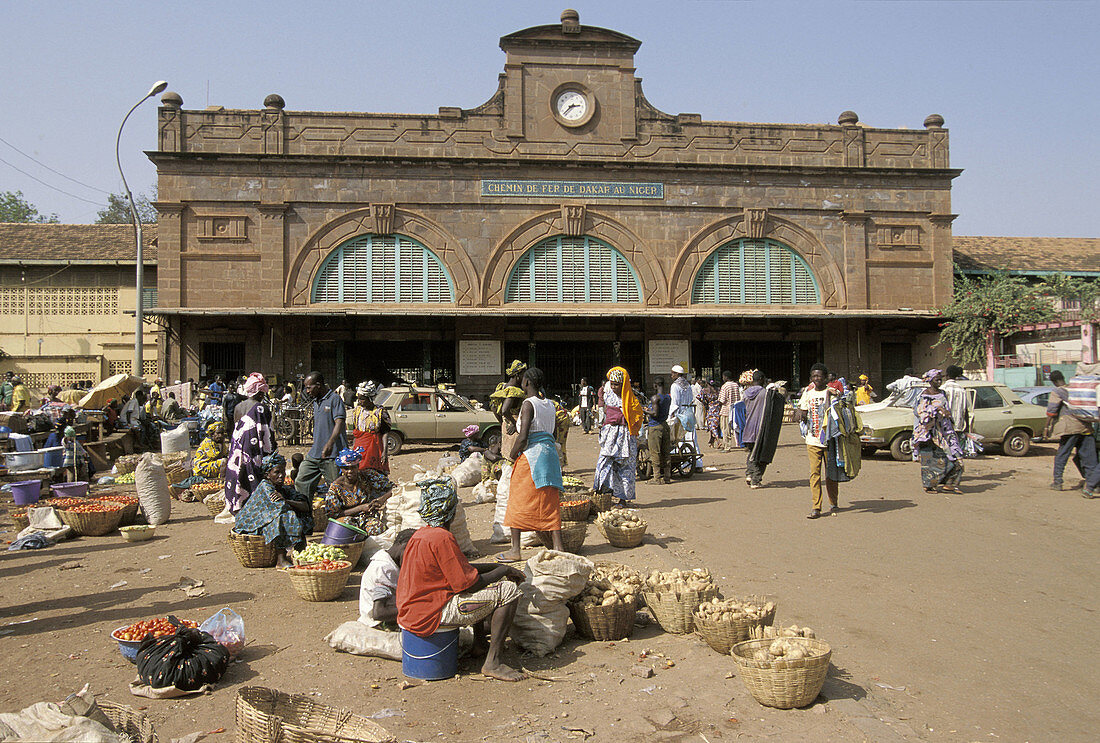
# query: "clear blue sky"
{"type": "Point", "coordinates": [1017, 82]}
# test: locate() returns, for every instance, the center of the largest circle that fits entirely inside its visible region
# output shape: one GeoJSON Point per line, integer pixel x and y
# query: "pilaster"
{"type": "Point", "coordinates": [856, 226]}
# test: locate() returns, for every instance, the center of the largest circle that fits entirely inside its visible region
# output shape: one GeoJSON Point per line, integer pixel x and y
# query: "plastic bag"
{"type": "Point", "coordinates": [227, 627]}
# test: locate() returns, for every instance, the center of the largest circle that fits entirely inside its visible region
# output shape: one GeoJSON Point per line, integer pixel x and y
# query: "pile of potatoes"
{"type": "Point", "coordinates": [717, 610]}
{"type": "Point", "coordinates": [784, 648]}
{"type": "Point", "coordinates": [793, 631]}
{"type": "Point", "coordinates": [611, 584]}
{"type": "Point", "coordinates": [623, 579]}
{"type": "Point", "coordinates": [621, 519]}
{"type": "Point", "coordinates": [678, 581]}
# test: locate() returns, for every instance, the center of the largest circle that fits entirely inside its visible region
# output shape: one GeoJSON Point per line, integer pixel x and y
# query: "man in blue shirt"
{"type": "Point", "coordinates": [329, 435]}
{"type": "Point", "coordinates": [657, 432]}
{"type": "Point", "coordinates": [217, 389]}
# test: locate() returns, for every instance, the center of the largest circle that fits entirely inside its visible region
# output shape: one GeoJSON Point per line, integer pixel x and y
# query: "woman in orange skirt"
{"type": "Point", "coordinates": [534, 500]}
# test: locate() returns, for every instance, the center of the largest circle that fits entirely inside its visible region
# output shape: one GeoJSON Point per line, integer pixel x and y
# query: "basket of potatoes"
{"type": "Point", "coordinates": [623, 528]}
{"type": "Point", "coordinates": [784, 672]}
{"type": "Point", "coordinates": [606, 608]}
{"type": "Point", "coordinates": [724, 623]}
{"type": "Point", "coordinates": [673, 596]}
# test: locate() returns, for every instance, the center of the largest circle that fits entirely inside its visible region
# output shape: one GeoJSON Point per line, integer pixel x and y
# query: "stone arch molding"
{"type": "Point", "coordinates": [651, 276]}
{"type": "Point", "coordinates": [829, 277]}
{"type": "Point", "coordinates": [381, 219]}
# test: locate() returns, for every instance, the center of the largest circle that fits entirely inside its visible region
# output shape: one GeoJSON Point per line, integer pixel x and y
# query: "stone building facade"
{"type": "Point", "coordinates": [566, 220]}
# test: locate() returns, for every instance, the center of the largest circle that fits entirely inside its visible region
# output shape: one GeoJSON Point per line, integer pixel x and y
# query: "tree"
{"type": "Point", "coordinates": [1076, 289]}
{"type": "Point", "coordinates": [990, 304]}
{"type": "Point", "coordinates": [14, 208]}
{"type": "Point", "coordinates": [118, 209]}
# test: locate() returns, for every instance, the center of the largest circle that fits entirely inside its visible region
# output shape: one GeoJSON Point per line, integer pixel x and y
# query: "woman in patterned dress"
{"type": "Point", "coordinates": [276, 511]}
{"type": "Point", "coordinates": [369, 426]}
{"type": "Point", "coordinates": [935, 442]}
{"type": "Point", "coordinates": [709, 397]}
{"type": "Point", "coordinates": [211, 456]}
{"type": "Point", "coordinates": [358, 496]}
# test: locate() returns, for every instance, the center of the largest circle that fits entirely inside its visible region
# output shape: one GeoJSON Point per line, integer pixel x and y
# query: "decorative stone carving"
{"type": "Point", "coordinates": [756, 223]}
{"type": "Point", "coordinates": [898, 236]}
{"type": "Point", "coordinates": [855, 152]}
{"type": "Point", "coordinates": [572, 218]}
{"type": "Point", "coordinates": [221, 228]}
{"type": "Point", "coordinates": [383, 218]}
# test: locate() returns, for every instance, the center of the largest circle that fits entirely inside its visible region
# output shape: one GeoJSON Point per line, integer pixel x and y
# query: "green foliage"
{"type": "Point", "coordinates": [1085, 291]}
{"type": "Point", "coordinates": [998, 304]}
{"type": "Point", "coordinates": [14, 208]}
{"type": "Point", "coordinates": [118, 209]}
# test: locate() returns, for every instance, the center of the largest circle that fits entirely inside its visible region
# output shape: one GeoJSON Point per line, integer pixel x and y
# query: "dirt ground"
{"type": "Point", "coordinates": [951, 618]}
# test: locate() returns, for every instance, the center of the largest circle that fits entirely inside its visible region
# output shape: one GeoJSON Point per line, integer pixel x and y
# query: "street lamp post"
{"type": "Point", "coordinates": [139, 316]}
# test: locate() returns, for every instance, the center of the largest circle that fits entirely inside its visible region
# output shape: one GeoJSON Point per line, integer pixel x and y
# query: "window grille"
{"type": "Point", "coordinates": [149, 297]}
{"type": "Point", "coordinates": [119, 367]}
{"type": "Point", "coordinates": [81, 300]}
{"type": "Point", "coordinates": [149, 367]}
{"type": "Point", "coordinates": [383, 268]}
{"type": "Point", "coordinates": [573, 269]}
{"type": "Point", "coordinates": [755, 272]}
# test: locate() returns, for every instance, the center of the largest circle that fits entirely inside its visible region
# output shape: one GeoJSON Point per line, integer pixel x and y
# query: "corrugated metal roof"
{"type": "Point", "coordinates": [1027, 254]}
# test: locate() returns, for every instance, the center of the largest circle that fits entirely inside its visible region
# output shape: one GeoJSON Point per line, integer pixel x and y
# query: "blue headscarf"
{"type": "Point", "coordinates": [438, 501]}
{"type": "Point", "coordinates": [349, 457]}
{"type": "Point", "coordinates": [271, 461]}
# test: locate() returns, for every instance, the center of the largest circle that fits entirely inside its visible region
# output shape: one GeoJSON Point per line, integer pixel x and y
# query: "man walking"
{"type": "Point", "coordinates": [586, 399]}
{"type": "Point", "coordinates": [1072, 432]}
{"type": "Point", "coordinates": [959, 405]}
{"type": "Point", "coordinates": [658, 435]}
{"type": "Point", "coordinates": [681, 412]}
{"type": "Point", "coordinates": [7, 390]}
{"type": "Point", "coordinates": [329, 436]}
{"type": "Point", "coordinates": [811, 416]}
{"type": "Point", "coordinates": [728, 396]}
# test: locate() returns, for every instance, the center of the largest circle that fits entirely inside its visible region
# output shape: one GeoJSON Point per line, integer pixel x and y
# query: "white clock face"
{"type": "Point", "coordinates": [572, 106]}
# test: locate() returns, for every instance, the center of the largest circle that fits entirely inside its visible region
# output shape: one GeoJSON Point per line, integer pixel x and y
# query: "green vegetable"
{"type": "Point", "coordinates": [319, 552]}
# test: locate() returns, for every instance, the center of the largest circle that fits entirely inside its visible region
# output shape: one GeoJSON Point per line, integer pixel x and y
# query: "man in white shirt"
{"type": "Point", "coordinates": [378, 586]}
{"type": "Point", "coordinates": [729, 395]}
{"type": "Point", "coordinates": [908, 381]}
{"type": "Point", "coordinates": [811, 416]}
{"type": "Point", "coordinates": [681, 413]}
{"type": "Point", "coordinates": [586, 400]}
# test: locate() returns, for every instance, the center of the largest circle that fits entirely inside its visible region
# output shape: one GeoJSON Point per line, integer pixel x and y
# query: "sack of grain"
{"type": "Point", "coordinates": [552, 579]}
{"type": "Point", "coordinates": [152, 489]}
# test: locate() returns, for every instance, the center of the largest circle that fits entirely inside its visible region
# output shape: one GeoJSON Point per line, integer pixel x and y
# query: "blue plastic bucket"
{"type": "Point", "coordinates": [26, 493]}
{"type": "Point", "coordinates": [429, 658]}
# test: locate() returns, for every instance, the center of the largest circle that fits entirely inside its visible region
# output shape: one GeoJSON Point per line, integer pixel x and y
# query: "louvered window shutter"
{"type": "Point", "coordinates": [755, 272]}
{"type": "Point", "coordinates": [573, 269]}
{"type": "Point", "coordinates": [382, 269]}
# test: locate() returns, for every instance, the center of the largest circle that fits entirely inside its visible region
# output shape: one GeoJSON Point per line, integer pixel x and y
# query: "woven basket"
{"type": "Point", "coordinates": [93, 524]}
{"type": "Point", "coordinates": [129, 510]}
{"type": "Point", "coordinates": [575, 513]}
{"type": "Point", "coordinates": [319, 585]}
{"type": "Point", "coordinates": [572, 535]}
{"type": "Point", "coordinates": [604, 623]}
{"type": "Point", "coordinates": [600, 501]}
{"type": "Point", "coordinates": [675, 611]}
{"type": "Point", "coordinates": [270, 716]}
{"type": "Point", "coordinates": [252, 551]}
{"type": "Point", "coordinates": [721, 636]}
{"type": "Point", "coordinates": [126, 720]}
{"type": "Point", "coordinates": [621, 536]}
{"type": "Point", "coordinates": [21, 522]}
{"type": "Point", "coordinates": [320, 519]}
{"type": "Point", "coordinates": [785, 684]}
{"type": "Point", "coordinates": [215, 503]}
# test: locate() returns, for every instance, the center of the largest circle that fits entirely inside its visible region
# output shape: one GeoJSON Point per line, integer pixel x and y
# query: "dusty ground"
{"type": "Point", "coordinates": [952, 618]}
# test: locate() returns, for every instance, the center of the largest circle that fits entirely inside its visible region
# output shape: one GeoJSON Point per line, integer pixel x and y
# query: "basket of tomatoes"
{"type": "Point", "coordinates": [320, 581]}
{"type": "Point", "coordinates": [129, 638]}
{"type": "Point", "coordinates": [129, 503]}
{"type": "Point", "coordinates": [93, 518]}
{"type": "Point", "coordinates": [21, 519]}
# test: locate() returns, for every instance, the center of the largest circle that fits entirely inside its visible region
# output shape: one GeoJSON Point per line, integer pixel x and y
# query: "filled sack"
{"type": "Point", "coordinates": [485, 492]}
{"type": "Point", "coordinates": [468, 472]}
{"type": "Point", "coordinates": [186, 661]}
{"type": "Point", "coordinates": [176, 440]}
{"type": "Point", "coordinates": [542, 616]}
{"type": "Point", "coordinates": [358, 639]}
{"type": "Point", "coordinates": [403, 512]}
{"type": "Point", "coordinates": [153, 490]}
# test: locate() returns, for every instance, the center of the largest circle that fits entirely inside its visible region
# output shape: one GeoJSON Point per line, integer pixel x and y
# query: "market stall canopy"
{"type": "Point", "coordinates": [109, 389]}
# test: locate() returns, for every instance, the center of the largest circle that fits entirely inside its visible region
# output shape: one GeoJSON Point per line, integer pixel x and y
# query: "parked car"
{"type": "Point", "coordinates": [430, 415]}
{"type": "Point", "coordinates": [1034, 395]}
{"type": "Point", "coordinates": [998, 415]}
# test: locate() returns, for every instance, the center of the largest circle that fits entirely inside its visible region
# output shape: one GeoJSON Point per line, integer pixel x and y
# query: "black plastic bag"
{"type": "Point", "coordinates": [185, 660]}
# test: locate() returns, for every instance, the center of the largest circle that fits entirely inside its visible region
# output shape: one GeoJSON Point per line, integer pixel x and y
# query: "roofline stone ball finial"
{"type": "Point", "coordinates": [275, 101]}
{"type": "Point", "coordinates": [933, 121]}
{"type": "Point", "coordinates": [171, 100]}
{"type": "Point", "coordinates": [570, 21]}
{"type": "Point", "coordinates": [847, 118]}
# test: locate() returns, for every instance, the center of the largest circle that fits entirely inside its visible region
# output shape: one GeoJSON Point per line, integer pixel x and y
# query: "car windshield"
{"type": "Point", "coordinates": [382, 397]}
{"type": "Point", "coordinates": [908, 398]}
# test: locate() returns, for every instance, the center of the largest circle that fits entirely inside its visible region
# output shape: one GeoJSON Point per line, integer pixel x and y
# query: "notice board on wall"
{"type": "Point", "coordinates": [479, 358]}
{"type": "Point", "coordinates": [664, 354]}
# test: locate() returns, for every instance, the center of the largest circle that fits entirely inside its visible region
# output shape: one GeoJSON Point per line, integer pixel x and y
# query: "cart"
{"type": "Point", "coordinates": [683, 459]}
{"type": "Point", "coordinates": [294, 423]}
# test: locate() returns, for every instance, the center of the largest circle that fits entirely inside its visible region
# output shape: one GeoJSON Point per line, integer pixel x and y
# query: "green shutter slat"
{"type": "Point", "coordinates": [755, 272]}
{"type": "Point", "coordinates": [372, 269]}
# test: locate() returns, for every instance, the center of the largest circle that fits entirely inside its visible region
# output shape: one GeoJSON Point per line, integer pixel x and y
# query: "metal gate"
{"type": "Point", "coordinates": [222, 359]}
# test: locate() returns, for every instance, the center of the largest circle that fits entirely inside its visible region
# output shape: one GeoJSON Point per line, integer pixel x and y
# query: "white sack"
{"type": "Point", "coordinates": [403, 512]}
{"type": "Point", "coordinates": [153, 491]}
{"type": "Point", "coordinates": [542, 617]}
{"type": "Point", "coordinates": [358, 639]}
{"type": "Point", "coordinates": [176, 440]}
{"type": "Point", "coordinates": [468, 473]}
{"type": "Point", "coordinates": [485, 492]}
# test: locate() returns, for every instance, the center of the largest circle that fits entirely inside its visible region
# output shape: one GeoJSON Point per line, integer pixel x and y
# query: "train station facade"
{"type": "Point", "coordinates": [566, 221]}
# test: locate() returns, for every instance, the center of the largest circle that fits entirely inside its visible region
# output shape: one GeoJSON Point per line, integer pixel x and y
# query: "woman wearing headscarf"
{"type": "Point", "coordinates": [709, 396]}
{"type": "Point", "coordinates": [616, 466]}
{"type": "Point", "coordinates": [276, 511]}
{"type": "Point", "coordinates": [211, 457]}
{"type": "Point", "coordinates": [358, 495]}
{"type": "Point", "coordinates": [253, 439]}
{"type": "Point", "coordinates": [505, 403]}
{"type": "Point", "coordinates": [369, 425]}
{"type": "Point", "coordinates": [935, 442]}
{"type": "Point", "coordinates": [534, 498]}
{"type": "Point", "coordinates": [437, 585]}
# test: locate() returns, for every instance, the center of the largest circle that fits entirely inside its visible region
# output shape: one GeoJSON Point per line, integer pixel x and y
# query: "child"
{"type": "Point", "coordinates": [75, 460]}
{"type": "Point", "coordinates": [491, 463]}
{"type": "Point", "coordinates": [295, 462]}
{"type": "Point", "coordinates": [378, 586]}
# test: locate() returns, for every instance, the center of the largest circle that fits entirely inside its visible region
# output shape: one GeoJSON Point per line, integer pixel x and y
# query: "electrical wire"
{"type": "Point", "coordinates": [56, 172]}
{"type": "Point", "coordinates": [47, 185]}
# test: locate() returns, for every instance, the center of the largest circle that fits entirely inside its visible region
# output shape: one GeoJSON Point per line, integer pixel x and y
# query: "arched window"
{"type": "Point", "coordinates": [573, 269]}
{"type": "Point", "coordinates": [755, 272]}
{"type": "Point", "coordinates": [382, 268]}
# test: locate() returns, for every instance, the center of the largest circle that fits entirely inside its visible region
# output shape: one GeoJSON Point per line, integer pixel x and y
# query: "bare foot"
{"type": "Point", "coordinates": [502, 672]}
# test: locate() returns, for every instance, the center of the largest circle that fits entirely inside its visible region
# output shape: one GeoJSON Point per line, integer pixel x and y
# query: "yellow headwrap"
{"type": "Point", "coordinates": [632, 409]}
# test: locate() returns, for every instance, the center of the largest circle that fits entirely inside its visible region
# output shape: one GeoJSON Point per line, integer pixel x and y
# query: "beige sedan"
{"type": "Point", "coordinates": [428, 415]}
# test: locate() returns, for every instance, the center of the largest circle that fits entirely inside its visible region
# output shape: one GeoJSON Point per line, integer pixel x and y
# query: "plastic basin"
{"type": "Point", "coordinates": [430, 658]}
{"type": "Point", "coordinates": [70, 489]}
{"type": "Point", "coordinates": [26, 493]}
{"type": "Point", "coordinates": [337, 533]}
{"type": "Point", "coordinates": [128, 648]}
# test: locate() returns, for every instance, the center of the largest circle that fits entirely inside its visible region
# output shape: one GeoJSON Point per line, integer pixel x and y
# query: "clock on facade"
{"type": "Point", "coordinates": [572, 105]}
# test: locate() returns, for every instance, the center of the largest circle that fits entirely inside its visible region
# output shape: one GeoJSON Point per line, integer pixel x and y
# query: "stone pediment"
{"type": "Point", "coordinates": [569, 34]}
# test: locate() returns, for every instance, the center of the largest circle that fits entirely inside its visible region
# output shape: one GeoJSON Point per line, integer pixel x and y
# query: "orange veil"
{"type": "Point", "coordinates": [632, 409]}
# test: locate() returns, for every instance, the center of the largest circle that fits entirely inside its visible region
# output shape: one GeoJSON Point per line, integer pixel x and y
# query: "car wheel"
{"type": "Point", "coordinates": [394, 440]}
{"type": "Point", "coordinates": [901, 447]}
{"type": "Point", "coordinates": [492, 437]}
{"type": "Point", "coordinates": [1017, 443]}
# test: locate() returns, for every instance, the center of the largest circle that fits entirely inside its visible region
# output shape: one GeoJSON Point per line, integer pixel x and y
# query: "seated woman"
{"type": "Point", "coordinates": [211, 456]}
{"type": "Point", "coordinates": [358, 495]}
{"type": "Point", "coordinates": [278, 513]}
{"type": "Point", "coordinates": [470, 444]}
{"type": "Point", "coordinates": [493, 462]}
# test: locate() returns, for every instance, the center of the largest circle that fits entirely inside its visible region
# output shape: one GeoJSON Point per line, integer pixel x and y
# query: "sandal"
{"type": "Point", "coordinates": [949, 489]}
{"type": "Point", "coordinates": [931, 490]}
{"type": "Point", "coordinates": [814, 514]}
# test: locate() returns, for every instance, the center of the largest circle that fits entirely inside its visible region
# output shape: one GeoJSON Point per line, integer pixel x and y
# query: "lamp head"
{"type": "Point", "coordinates": [158, 87]}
